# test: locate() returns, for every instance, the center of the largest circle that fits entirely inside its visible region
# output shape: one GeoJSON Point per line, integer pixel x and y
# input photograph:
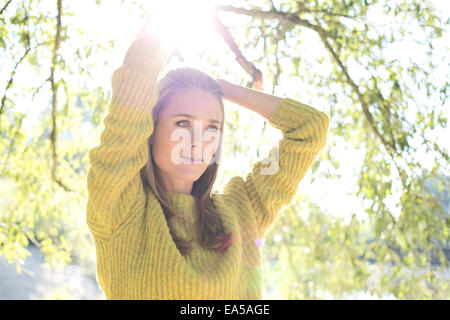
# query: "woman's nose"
{"type": "Point", "coordinates": [201, 138]}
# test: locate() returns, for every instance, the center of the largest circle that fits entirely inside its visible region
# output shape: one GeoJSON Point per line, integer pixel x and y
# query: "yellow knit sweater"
{"type": "Point", "coordinates": [136, 256]}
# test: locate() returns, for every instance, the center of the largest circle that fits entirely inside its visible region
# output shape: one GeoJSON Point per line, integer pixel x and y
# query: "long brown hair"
{"type": "Point", "coordinates": [209, 225]}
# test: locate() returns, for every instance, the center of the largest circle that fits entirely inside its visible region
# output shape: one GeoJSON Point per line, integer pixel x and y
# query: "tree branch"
{"type": "Point", "coordinates": [54, 88]}
{"type": "Point", "coordinates": [11, 145]}
{"type": "Point", "coordinates": [328, 13]}
{"type": "Point", "coordinates": [5, 6]}
{"type": "Point", "coordinates": [11, 80]}
{"type": "Point", "coordinates": [362, 101]}
{"type": "Point", "coordinates": [283, 17]}
{"type": "Point", "coordinates": [13, 72]}
{"type": "Point", "coordinates": [246, 65]}
{"type": "Point", "coordinates": [289, 18]}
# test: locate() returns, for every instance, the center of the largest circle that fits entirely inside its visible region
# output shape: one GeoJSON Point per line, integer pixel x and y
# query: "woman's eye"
{"type": "Point", "coordinates": [215, 129]}
{"type": "Point", "coordinates": [182, 121]}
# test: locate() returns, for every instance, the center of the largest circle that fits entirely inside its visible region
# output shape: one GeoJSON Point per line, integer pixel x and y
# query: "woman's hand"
{"type": "Point", "coordinates": [226, 87]}
{"type": "Point", "coordinates": [147, 28]}
{"type": "Point", "coordinates": [149, 34]}
{"type": "Point", "coordinates": [259, 102]}
{"type": "Point", "coordinates": [147, 47]}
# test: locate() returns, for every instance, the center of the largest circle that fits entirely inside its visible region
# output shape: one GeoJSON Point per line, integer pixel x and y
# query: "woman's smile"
{"type": "Point", "coordinates": [193, 160]}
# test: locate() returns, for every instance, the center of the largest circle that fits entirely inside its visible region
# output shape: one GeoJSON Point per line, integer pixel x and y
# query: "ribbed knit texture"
{"type": "Point", "coordinates": [136, 255]}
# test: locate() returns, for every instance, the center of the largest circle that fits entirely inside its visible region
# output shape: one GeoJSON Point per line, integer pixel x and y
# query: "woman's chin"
{"type": "Point", "coordinates": [190, 172]}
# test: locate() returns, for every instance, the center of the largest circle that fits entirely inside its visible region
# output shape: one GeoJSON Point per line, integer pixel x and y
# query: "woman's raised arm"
{"type": "Point", "coordinates": [113, 179]}
{"type": "Point", "coordinates": [273, 182]}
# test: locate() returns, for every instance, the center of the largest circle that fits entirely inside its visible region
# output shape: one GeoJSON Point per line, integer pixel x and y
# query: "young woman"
{"type": "Point", "coordinates": [159, 230]}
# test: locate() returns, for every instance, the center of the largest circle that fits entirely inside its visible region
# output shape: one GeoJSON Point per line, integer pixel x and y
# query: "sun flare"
{"type": "Point", "coordinates": [183, 24]}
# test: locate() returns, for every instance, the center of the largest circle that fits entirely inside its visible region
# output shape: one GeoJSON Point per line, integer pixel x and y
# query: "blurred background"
{"type": "Point", "coordinates": [371, 218]}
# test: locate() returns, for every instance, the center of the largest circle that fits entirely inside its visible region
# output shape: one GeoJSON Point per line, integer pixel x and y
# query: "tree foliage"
{"type": "Point", "coordinates": [372, 65]}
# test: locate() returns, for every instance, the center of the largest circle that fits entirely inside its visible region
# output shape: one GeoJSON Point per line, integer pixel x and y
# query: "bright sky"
{"type": "Point", "coordinates": [112, 21]}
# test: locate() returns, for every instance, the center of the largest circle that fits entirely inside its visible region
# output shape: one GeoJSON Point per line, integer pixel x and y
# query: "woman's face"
{"type": "Point", "coordinates": [188, 128]}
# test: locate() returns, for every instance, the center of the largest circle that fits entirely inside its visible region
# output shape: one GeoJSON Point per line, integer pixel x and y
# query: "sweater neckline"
{"type": "Point", "coordinates": [182, 201]}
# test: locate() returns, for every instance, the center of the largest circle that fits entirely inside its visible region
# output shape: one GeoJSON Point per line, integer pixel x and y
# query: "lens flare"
{"type": "Point", "coordinates": [182, 24]}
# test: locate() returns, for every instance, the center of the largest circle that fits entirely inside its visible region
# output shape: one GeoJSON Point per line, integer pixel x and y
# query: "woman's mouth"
{"type": "Point", "coordinates": [192, 160]}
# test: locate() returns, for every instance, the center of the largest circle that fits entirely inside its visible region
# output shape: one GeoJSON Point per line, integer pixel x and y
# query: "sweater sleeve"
{"type": "Point", "coordinates": [273, 181]}
{"type": "Point", "coordinates": [113, 179]}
